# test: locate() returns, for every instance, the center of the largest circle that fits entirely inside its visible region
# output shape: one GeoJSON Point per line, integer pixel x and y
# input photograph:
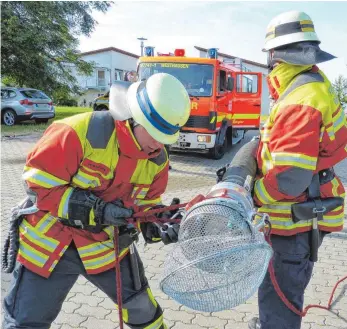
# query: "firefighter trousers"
{"type": "Point", "coordinates": [293, 270]}
{"type": "Point", "coordinates": [34, 302]}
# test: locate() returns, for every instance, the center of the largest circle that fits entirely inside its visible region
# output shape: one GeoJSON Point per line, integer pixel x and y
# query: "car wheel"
{"type": "Point", "coordinates": [41, 120]}
{"type": "Point", "coordinates": [9, 117]}
{"type": "Point", "coordinates": [101, 108]}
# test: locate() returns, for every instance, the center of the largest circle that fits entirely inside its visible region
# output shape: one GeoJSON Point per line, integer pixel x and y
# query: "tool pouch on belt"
{"type": "Point", "coordinates": [308, 209]}
{"type": "Point", "coordinates": [127, 235]}
{"type": "Point", "coordinates": [315, 208]}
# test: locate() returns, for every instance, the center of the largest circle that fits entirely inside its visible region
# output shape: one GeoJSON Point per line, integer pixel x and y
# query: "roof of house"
{"type": "Point", "coordinates": [102, 50]}
{"type": "Point", "coordinates": [233, 57]}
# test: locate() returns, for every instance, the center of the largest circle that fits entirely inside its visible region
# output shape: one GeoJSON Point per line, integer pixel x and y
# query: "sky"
{"type": "Point", "coordinates": [235, 27]}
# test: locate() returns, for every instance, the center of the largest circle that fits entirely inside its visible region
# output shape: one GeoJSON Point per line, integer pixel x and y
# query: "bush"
{"type": "Point", "coordinates": [67, 102]}
{"type": "Point", "coordinates": [62, 97]}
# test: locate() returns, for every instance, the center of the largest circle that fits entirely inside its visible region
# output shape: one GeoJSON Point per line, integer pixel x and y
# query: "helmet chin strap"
{"type": "Point", "coordinates": [133, 123]}
{"type": "Point", "coordinates": [270, 63]}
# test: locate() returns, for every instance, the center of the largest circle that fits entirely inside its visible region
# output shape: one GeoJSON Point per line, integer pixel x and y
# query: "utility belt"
{"type": "Point", "coordinates": [315, 207]}
{"type": "Point", "coordinates": [90, 228]}
{"type": "Point", "coordinates": [127, 234]}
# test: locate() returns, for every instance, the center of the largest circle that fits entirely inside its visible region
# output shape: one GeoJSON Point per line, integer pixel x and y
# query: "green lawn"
{"type": "Point", "coordinates": [28, 127]}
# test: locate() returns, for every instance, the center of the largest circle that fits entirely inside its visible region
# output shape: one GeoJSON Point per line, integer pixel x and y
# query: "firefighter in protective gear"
{"type": "Point", "coordinates": [303, 138]}
{"type": "Point", "coordinates": [85, 175]}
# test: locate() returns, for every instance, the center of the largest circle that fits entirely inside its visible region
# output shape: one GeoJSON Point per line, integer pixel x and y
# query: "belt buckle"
{"type": "Point", "coordinates": [317, 211]}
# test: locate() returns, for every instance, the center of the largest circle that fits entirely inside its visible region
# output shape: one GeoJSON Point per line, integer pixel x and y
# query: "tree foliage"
{"type": "Point", "coordinates": [40, 40]}
{"type": "Point", "coordinates": [340, 87]}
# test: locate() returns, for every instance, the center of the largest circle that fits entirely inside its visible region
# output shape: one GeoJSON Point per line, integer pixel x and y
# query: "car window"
{"type": "Point", "coordinates": [5, 94]}
{"type": "Point", "coordinates": [31, 93]}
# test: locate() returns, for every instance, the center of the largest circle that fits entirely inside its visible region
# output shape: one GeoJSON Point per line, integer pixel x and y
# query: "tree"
{"type": "Point", "coordinates": [340, 87]}
{"type": "Point", "coordinates": [40, 40]}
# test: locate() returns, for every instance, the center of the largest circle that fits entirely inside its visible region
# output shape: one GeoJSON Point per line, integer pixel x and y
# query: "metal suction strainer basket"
{"type": "Point", "coordinates": [220, 259]}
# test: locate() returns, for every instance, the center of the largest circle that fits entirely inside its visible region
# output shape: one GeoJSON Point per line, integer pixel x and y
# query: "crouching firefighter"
{"type": "Point", "coordinates": [303, 138]}
{"type": "Point", "coordinates": [85, 176]}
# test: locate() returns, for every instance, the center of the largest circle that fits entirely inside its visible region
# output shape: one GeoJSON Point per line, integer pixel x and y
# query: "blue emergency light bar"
{"type": "Point", "coordinates": [149, 51]}
{"type": "Point", "coordinates": [212, 53]}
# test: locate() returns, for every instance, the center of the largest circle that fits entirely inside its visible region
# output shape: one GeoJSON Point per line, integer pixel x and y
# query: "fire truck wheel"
{"type": "Point", "coordinates": [219, 150]}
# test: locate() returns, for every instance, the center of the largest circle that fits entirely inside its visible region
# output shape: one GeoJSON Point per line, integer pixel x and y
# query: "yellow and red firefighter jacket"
{"type": "Point", "coordinates": [306, 132]}
{"type": "Point", "coordinates": [88, 151]}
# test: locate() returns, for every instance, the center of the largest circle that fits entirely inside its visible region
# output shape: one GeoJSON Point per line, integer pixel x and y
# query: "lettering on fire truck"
{"type": "Point", "coordinates": [238, 122]}
{"type": "Point", "coordinates": [194, 106]}
{"type": "Point", "coordinates": [149, 64]}
{"type": "Point", "coordinates": [175, 65]}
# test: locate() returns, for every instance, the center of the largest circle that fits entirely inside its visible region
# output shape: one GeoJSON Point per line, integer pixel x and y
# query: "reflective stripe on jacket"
{"type": "Point", "coordinates": [89, 151]}
{"type": "Point", "coordinates": [305, 133]}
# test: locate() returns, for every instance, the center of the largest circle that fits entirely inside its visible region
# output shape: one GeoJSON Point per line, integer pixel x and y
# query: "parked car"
{"type": "Point", "coordinates": [20, 104]}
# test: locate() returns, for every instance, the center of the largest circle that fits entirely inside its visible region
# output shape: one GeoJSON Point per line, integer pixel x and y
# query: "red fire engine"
{"type": "Point", "coordinates": [225, 100]}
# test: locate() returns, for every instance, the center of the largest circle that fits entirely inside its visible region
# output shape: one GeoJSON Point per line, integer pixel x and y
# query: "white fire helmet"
{"type": "Point", "coordinates": [292, 38]}
{"type": "Point", "coordinates": [289, 27]}
{"type": "Point", "coordinates": [160, 104]}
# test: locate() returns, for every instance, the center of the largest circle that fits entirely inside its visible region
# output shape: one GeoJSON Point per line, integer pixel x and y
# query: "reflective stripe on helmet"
{"type": "Point", "coordinates": [151, 114]}
{"type": "Point", "coordinates": [291, 27]}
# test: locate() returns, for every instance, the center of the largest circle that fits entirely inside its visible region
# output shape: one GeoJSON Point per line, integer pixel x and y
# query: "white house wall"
{"type": "Point", "coordinates": [101, 60]}
{"type": "Point", "coordinates": [123, 62]}
{"type": "Point", "coordinates": [108, 61]}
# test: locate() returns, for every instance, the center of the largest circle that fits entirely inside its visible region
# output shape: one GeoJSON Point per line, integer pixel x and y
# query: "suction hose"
{"type": "Point", "coordinates": [242, 169]}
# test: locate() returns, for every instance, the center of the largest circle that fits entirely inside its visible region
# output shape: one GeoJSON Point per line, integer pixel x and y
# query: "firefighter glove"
{"type": "Point", "coordinates": [87, 211]}
{"type": "Point", "coordinates": [150, 232]}
{"type": "Point", "coordinates": [169, 233]}
{"type": "Point", "coordinates": [115, 214]}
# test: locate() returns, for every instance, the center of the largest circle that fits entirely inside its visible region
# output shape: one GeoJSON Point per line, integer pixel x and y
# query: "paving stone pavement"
{"type": "Point", "coordinates": [192, 174]}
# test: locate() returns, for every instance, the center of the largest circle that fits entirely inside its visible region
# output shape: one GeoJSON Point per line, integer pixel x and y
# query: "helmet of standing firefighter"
{"type": "Point", "coordinates": [291, 38]}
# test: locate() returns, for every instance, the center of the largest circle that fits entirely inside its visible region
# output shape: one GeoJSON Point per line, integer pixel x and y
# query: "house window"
{"type": "Point", "coordinates": [118, 74]}
{"type": "Point", "coordinates": [101, 79]}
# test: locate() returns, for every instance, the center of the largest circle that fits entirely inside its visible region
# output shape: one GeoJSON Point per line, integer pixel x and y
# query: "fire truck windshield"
{"type": "Point", "coordinates": [197, 78]}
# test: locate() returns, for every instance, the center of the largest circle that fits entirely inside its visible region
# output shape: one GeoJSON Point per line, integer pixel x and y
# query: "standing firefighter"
{"type": "Point", "coordinates": [85, 175]}
{"type": "Point", "coordinates": [304, 137]}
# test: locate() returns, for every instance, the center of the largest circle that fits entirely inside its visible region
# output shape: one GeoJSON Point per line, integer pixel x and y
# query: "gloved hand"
{"type": "Point", "coordinates": [115, 214]}
{"type": "Point", "coordinates": [168, 233]}
{"type": "Point", "coordinates": [171, 213]}
{"type": "Point", "coordinates": [150, 232]}
{"type": "Point", "coordinates": [89, 212]}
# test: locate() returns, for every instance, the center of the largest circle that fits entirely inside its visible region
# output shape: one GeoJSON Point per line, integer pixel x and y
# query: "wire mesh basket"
{"type": "Point", "coordinates": [220, 260]}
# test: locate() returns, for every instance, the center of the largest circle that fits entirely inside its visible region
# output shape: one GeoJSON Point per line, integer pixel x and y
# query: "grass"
{"type": "Point", "coordinates": [29, 127]}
